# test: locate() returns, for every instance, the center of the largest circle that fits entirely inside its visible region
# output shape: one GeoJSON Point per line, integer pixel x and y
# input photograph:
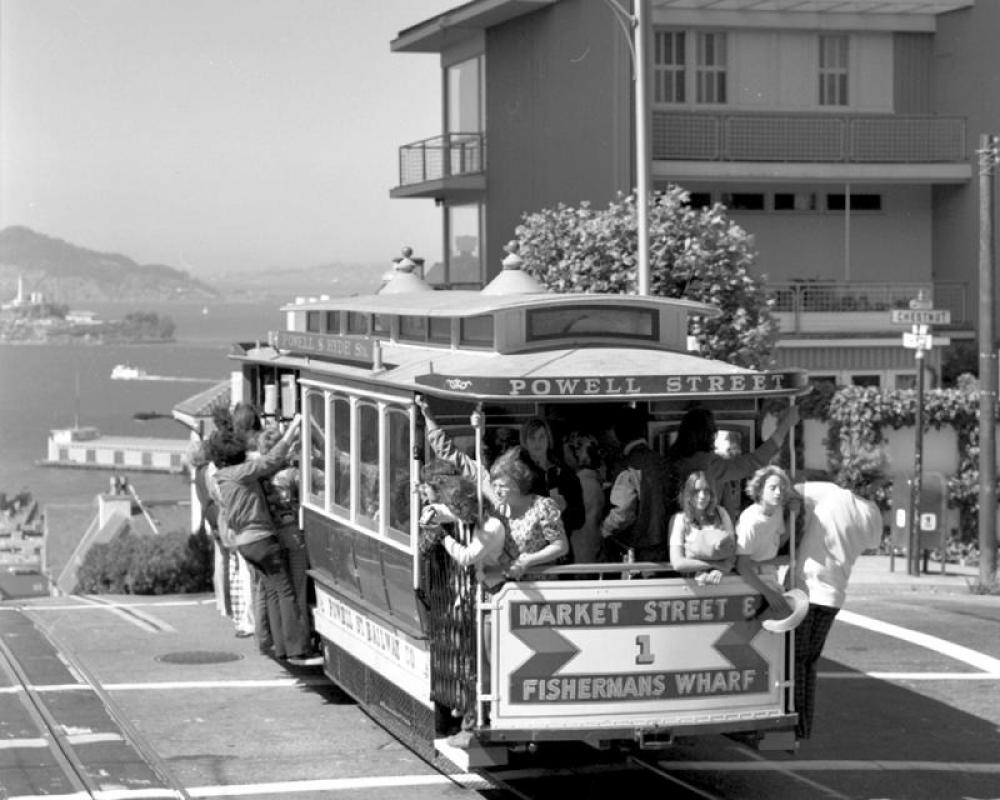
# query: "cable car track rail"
{"type": "Point", "coordinates": [93, 750]}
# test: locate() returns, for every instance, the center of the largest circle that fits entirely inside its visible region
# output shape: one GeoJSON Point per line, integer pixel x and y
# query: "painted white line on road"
{"type": "Point", "coordinates": [338, 785]}
{"type": "Point", "coordinates": [943, 646]}
{"type": "Point", "coordinates": [912, 676]}
{"type": "Point", "coordinates": [13, 744]}
{"type": "Point", "coordinates": [80, 605]}
{"type": "Point", "coordinates": [131, 614]}
{"type": "Point", "coordinates": [104, 794]}
{"type": "Point", "coordinates": [282, 788]}
{"type": "Point", "coordinates": [272, 683]}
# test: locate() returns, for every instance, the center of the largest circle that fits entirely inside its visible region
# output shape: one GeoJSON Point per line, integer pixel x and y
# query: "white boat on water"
{"type": "Point", "coordinates": [126, 372]}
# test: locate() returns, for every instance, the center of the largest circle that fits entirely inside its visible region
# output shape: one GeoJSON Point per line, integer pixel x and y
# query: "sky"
{"type": "Point", "coordinates": [217, 135]}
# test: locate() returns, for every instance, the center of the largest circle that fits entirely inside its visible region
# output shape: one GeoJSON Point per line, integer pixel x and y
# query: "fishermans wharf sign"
{"type": "Point", "coordinates": [748, 383]}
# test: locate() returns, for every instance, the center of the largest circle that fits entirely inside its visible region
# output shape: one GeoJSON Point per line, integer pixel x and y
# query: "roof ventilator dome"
{"type": "Point", "coordinates": [402, 278]}
{"type": "Point", "coordinates": [512, 279]}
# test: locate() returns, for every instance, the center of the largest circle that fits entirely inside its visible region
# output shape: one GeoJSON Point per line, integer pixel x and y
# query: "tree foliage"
{"type": "Point", "coordinates": [168, 563]}
{"type": "Point", "coordinates": [694, 253]}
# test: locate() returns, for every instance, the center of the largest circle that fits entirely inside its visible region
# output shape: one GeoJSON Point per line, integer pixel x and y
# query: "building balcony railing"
{"type": "Point", "coordinates": [441, 157]}
{"type": "Point", "coordinates": [883, 138]}
{"type": "Point", "coordinates": [862, 307]}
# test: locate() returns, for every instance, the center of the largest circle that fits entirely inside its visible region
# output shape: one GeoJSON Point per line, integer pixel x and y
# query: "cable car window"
{"type": "Point", "coordinates": [312, 321]}
{"type": "Point", "coordinates": [340, 416]}
{"type": "Point", "coordinates": [357, 322]}
{"type": "Point", "coordinates": [413, 328]}
{"type": "Point", "coordinates": [381, 324]}
{"type": "Point", "coordinates": [333, 322]}
{"type": "Point", "coordinates": [398, 425]}
{"type": "Point", "coordinates": [596, 321]}
{"type": "Point", "coordinates": [439, 330]}
{"type": "Point", "coordinates": [315, 483]}
{"type": "Point", "coordinates": [370, 483]}
{"type": "Point", "coordinates": [478, 330]}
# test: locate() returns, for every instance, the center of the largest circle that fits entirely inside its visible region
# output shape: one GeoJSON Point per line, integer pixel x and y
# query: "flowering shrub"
{"type": "Point", "coordinates": [694, 253]}
{"type": "Point", "coordinates": [857, 416]}
{"type": "Point", "coordinates": [168, 563]}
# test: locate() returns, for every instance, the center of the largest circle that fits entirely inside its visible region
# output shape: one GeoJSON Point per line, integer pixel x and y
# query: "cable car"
{"type": "Point", "coordinates": [609, 654]}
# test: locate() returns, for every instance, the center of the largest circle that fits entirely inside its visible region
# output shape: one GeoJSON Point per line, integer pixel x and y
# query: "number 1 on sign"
{"type": "Point", "coordinates": [645, 656]}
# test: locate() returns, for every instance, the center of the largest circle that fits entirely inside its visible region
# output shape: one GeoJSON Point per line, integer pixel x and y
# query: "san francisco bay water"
{"type": "Point", "coordinates": [38, 392]}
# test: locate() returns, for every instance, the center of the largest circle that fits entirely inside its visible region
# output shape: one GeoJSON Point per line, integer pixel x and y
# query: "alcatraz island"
{"type": "Point", "coordinates": [30, 319]}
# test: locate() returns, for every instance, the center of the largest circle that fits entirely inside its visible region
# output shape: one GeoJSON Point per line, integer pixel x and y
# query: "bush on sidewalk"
{"type": "Point", "coordinates": [167, 563]}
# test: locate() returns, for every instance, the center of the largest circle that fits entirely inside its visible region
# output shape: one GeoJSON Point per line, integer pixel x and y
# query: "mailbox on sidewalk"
{"type": "Point", "coordinates": [931, 514]}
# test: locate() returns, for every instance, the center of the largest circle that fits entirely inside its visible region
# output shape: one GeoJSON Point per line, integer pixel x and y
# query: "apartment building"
{"type": "Point", "coordinates": [841, 133]}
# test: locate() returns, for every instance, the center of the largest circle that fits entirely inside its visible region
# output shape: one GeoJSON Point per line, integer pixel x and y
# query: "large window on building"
{"type": "Point", "coordinates": [464, 105]}
{"type": "Point", "coordinates": [465, 116]}
{"type": "Point", "coordinates": [465, 261]}
{"type": "Point", "coordinates": [710, 68]}
{"type": "Point", "coordinates": [669, 77]}
{"type": "Point", "coordinates": [682, 72]}
{"type": "Point", "coordinates": [833, 73]}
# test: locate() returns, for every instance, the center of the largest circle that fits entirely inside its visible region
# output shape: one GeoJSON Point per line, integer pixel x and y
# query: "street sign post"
{"type": "Point", "coordinates": [918, 341]}
{"type": "Point", "coordinates": [920, 316]}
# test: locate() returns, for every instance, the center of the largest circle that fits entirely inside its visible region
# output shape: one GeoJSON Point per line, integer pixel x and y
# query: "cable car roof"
{"type": "Point", "coordinates": [579, 373]}
{"type": "Point", "coordinates": [469, 303]}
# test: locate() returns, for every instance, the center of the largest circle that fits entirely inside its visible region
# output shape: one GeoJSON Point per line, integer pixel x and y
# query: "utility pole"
{"type": "Point", "coordinates": [989, 155]}
{"type": "Point", "coordinates": [643, 152]}
{"type": "Point", "coordinates": [637, 29]}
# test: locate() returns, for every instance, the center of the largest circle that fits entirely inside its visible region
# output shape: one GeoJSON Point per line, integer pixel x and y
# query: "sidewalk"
{"type": "Point", "coordinates": [873, 574]}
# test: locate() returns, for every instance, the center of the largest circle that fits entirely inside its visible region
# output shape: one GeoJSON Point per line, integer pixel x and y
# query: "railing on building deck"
{"type": "Point", "coordinates": [808, 296]}
{"type": "Point", "coordinates": [451, 155]}
{"type": "Point", "coordinates": [861, 138]}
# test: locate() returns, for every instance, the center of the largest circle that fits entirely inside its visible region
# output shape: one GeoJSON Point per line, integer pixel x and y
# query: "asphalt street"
{"type": "Point", "coordinates": [908, 706]}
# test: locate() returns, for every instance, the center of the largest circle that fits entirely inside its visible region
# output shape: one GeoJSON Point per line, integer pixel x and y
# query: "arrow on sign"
{"type": "Point", "coordinates": [552, 651]}
{"type": "Point", "coordinates": [735, 646]}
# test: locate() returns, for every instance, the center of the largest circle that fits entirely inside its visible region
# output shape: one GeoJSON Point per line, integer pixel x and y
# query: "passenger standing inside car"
{"type": "Point", "coordinates": [694, 449]}
{"type": "Point", "coordinates": [639, 509]}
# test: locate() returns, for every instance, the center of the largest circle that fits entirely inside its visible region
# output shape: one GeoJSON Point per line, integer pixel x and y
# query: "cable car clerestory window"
{"type": "Point", "coordinates": [594, 321]}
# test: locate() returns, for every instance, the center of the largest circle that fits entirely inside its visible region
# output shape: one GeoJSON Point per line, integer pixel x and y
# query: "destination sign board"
{"type": "Point", "coordinates": [920, 316]}
{"type": "Point", "coordinates": [658, 648]}
{"type": "Point", "coordinates": [352, 348]}
{"type": "Point", "coordinates": [618, 386]}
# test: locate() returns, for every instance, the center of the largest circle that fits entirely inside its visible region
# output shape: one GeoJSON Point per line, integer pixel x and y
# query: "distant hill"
{"type": "Point", "coordinates": [335, 279]}
{"type": "Point", "coordinates": [73, 275]}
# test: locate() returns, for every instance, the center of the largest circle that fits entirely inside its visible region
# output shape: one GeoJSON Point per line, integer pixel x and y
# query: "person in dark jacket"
{"type": "Point", "coordinates": [639, 509]}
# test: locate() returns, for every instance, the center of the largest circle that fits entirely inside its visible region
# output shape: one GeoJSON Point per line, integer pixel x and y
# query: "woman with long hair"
{"type": "Point", "coordinates": [701, 533]}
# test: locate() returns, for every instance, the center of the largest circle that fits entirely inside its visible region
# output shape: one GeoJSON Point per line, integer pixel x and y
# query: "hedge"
{"type": "Point", "coordinates": [166, 563]}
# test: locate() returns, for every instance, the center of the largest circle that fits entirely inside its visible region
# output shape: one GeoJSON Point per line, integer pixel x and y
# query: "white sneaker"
{"type": "Point", "coordinates": [306, 660]}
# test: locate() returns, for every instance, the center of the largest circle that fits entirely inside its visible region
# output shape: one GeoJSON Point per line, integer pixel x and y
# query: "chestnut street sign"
{"type": "Point", "coordinates": [920, 316]}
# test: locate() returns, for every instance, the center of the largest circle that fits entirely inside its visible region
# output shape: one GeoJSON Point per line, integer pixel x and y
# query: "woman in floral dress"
{"type": "Point", "coordinates": [535, 531]}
